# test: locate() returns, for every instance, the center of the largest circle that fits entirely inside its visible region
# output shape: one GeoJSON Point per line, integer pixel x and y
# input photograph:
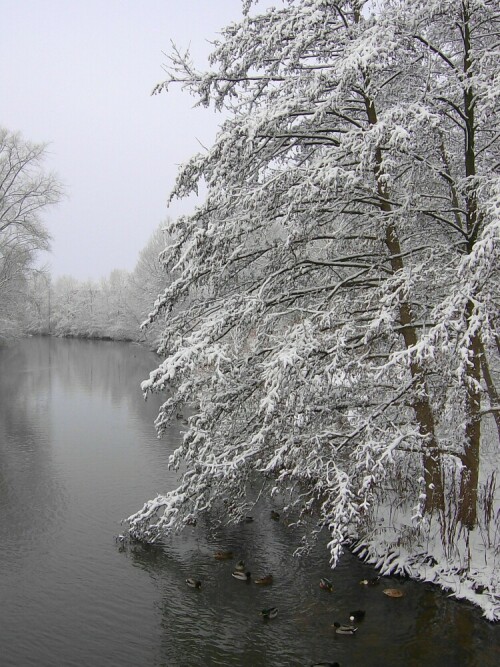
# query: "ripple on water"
{"type": "Point", "coordinates": [78, 453]}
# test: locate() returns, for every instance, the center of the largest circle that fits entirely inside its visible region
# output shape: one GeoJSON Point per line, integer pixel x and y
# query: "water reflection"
{"type": "Point", "coordinates": [31, 497]}
{"type": "Point", "coordinates": [78, 452]}
{"type": "Point", "coordinates": [221, 624]}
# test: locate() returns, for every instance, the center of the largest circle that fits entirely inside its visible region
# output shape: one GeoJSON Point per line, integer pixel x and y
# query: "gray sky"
{"type": "Point", "coordinates": [78, 74]}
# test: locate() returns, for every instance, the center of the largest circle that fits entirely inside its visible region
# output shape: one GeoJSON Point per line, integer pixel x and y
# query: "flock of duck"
{"type": "Point", "coordinates": [240, 573]}
{"type": "Point", "coordinates": [325, 584]}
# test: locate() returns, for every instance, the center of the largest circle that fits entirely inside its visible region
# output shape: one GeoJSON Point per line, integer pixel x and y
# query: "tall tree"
{"type": "Point", "coordinates": [327, 260]}
{"type": "Point", "coordinates": [457, 41]}
{"type": "Point", "coordinates": [26, 190]}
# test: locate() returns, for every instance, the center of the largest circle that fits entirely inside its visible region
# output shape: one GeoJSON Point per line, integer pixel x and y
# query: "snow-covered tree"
{"type": "Point", "coordinates": [457, 44]}
{"type": "Point", "coordinates": [335, 292]}
{"type": "Point", "coordinates": [65, 305]}
{"type": "Point", "coordinates": [38, 302]}
{"type": "Point", "coordinates": [26, 190]}
{"type": "Point", "coordinates": [113, 307]}
{"type": "Point", "coordinates": [147, 281]}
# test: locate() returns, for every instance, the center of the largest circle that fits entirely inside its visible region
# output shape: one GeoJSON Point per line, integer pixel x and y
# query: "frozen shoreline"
{"type": "Point", "coordinates": [478, 585]}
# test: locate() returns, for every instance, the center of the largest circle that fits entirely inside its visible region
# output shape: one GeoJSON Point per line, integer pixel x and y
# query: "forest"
{"type": "Point", "coordinates": [328, 316]}
{"type": "Point", "coordinates": [32, 301]}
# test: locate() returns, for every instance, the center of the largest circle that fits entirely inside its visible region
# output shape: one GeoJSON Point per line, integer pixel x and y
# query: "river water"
{"type": "Point", "coordinates": [78, 453]}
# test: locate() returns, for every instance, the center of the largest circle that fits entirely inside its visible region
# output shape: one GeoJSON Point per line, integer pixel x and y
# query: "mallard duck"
{"type": "Point", "coordinates": [357, 615]}
{"type": "Point", "coordinates": [344, 629]}
{"type": "Point", "coordinates": [326, 584]}
{"type": "Point", "coordinates": [370, 582]}
{"type": "Point", "coordinates": [240, 566]}
{"type": "Point", "coordinates": [243, 576]}
{"type": "Point", "coordinates": [264, 581]}
{"type": "Point", "coordinates": [393, 592]}
{"type": "Point", "coordinates": [275, 515]}
{"type": "Point", "coordinates": [193, 583]}
{"type": "Point", "coordinates": [272, 612]}
{"type": "Point", "coordinates": [223, 555]}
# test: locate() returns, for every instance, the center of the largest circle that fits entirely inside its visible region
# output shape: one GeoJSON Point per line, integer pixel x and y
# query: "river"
{"type": "Point", "coordinates": [78, 453]}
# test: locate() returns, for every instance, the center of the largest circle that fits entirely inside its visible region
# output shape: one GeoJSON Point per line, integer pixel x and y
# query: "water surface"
{"type": "Point", "coordinates": [78, 453]}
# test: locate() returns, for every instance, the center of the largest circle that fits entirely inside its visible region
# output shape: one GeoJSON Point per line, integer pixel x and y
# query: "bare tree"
{"type": "Point", "coordinates": [26, 189]}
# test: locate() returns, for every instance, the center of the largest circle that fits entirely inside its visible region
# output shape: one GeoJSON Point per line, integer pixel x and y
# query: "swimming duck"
{"type": "Point", "coordinates": [272, 612]}
{"type": "Point", "coordinates": [344, 629]}
{"type": "Point", "coordinates": [357, 615]}
{"type": "Point", "coordinates": [223, 555]}
{"type": "Point", "coordinates": [243, 576]}
{"type": "Point", "coordinates": [240, 566]}
{"type": "Point", "coordinates": [275, 515]}
{"type": "Point", "coordinates": [370, 582]}
{"type": "Point", "coordinates": [326, 584]}
{"type": "Point", "coordinates": [193, 583]}
{"type": "Point", "coordinates": [264, 581]}
{"type": "Point", "coordinates": [393, 592]}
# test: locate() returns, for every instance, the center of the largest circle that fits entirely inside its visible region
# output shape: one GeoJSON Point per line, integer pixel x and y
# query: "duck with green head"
{"type": "Point", "coordinates": [325, 584]}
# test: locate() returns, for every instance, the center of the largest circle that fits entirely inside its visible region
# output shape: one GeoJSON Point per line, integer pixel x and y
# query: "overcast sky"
{"type": "Point", "coordinates": [78, 74]}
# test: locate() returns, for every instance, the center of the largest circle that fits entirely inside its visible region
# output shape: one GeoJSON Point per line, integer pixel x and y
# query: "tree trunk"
{"type": "Point", "coordinates": [470, 470]}
{"type": "Point", "coordinates": [434, 484]}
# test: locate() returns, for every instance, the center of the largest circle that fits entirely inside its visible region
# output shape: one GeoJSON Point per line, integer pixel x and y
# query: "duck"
{"type": "Point", "coordinates": [393, 592]}
{"type": "Point", "coordinates": [326, 584]}
{"type": "Point", "coordinates": [370, 582]}
{"type": "Point", "coordinates": [271, 612]}
{"type": "Point", "coordinates": [357, 615]}
{"type": "Point", "coordinates": [240, 566]}
{"type": "Point", "coordinates": [275, 516]}
{"type": "Point", "coordinates": [193, 583]}
{"type": "Point", "coordinates": [264, 581]}
{"type": "Point", "coordinates": [243, 576]}
{"type": "Point", "coordinates": [341, 629]}
{"type": "Point", "coordinates": [248, 519]}
{"type": "Point", "coordinates": [223, 555]}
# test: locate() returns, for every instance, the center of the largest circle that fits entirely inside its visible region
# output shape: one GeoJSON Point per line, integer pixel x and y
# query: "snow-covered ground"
{"type": "Point", "coordinates": [465, 563]}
